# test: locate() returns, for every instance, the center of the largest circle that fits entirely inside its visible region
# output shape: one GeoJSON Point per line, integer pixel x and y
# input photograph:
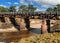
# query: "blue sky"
{"type": "Point", "coordinates": [41, 5]}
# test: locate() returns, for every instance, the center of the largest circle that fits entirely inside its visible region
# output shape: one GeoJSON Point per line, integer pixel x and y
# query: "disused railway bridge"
{"type": "Point", "coordinates": [46, 15]}
{"type": "Point", "coordinates": [12, 16]}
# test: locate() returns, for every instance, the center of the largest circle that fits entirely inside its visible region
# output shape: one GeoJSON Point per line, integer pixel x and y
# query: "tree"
{"type": "Point", "coordinates": [49, 9]}
{"type": "Point", "coordinates": [31, 8]}
{"type": "Point", "coordinates": [58, 7]}
{"type": "Point", "coordinates": [3, 9]}
{"type": "Point", "coordinates": [55, 9]}
{"type": "Point", "coordinates": [23, 8]}
{"type": "Point", "coordinates": [12, 9]}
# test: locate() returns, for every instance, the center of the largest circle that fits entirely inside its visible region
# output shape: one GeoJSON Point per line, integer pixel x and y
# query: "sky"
{"type": "Point", "coordinates": [41, 5]}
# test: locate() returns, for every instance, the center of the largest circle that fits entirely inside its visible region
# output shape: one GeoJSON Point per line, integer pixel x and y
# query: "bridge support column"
{"type": "Point", "coordinates": [48, 25]}
{"type": "Point", "coordinates": [2, 19]}
{"type": "Point", "coordinates": [23, 28]}
{"type": "Point", "coordinates": [44, 27]}
{"type": "Point", "coordinates": [21, 22]}
{"type": "Point", "coordinates": [27, 22]}
{"type": "Point", "coordinates": [7, 20]}
{"type": "Point", "coordinates": [13, 21]}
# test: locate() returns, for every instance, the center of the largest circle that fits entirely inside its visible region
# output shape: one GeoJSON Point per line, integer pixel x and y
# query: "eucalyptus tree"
{"type": "Point", "coordinates": [29, 8]}
{"type": "Point", "coordinates": [12, 8]}
{"type": "Point", "coordinates": [3, 9]}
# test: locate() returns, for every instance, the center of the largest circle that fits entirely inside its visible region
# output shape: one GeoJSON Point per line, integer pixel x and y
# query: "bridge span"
{"type": "Point", "coordinates": [21, 21]}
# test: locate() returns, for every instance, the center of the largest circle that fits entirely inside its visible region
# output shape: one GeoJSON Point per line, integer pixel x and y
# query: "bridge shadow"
{"type": "Point", "coordinates": [2, 19]}
{"type": "Point", "coordinates": [27, 22]}
{"type": "Point", "coordinates": [14, 23]}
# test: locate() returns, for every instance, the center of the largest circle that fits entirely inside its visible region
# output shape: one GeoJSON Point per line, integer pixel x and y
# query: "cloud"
{"type": "Point", "coordinates": [40, 10]}
{"type": "Point", "coordinates": [16, 3]}
{"type": "Point", "coordinates": [3, 6]}
{"type": "Point", "coordinates": [43, 3]}
{"type": "Point", "coordinates": [23, 2]}
{"type": "Point", "coordinates": [31, 1]}
{"type": "Point", "coordinates": [48, 2]}
{"type": "Point", "coordinates": [9, 2]}
{"type": "Point", "coordinates": [17, 8]}
{"type": "Point", "coordinates": [37, 10]}
{"type": "Point", "coordinates": [47, 6]}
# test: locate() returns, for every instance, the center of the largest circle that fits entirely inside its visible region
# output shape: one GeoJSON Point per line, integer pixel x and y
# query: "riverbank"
{"type": "Point", "coordinates": [42, 38]}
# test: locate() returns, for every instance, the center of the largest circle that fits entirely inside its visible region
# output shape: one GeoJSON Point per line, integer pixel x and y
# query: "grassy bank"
{"type": "Point", "coordinates": [44, 38]}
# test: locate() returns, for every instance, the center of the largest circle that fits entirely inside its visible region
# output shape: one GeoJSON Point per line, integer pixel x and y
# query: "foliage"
{"type": "Point", "coordinates": [55, 9]}
{"type": "Point", "coordinates": [49, 9]}
{"type": "Point", "coordinates": [29, 8]}
{"type": "Point", "coordinates": [12, 9]}
{"type": "Point", "coordinates": [3, 9]}
{"type": "Point", "coordinates": [23, 8]}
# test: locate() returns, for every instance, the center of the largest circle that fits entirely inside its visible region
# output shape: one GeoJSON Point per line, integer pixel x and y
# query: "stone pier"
{"type": "Point", "coordinates": [44, 27]}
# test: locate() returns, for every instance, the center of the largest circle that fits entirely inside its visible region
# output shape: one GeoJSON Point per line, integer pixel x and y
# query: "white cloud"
{"type": "Point", "coordinates": [47, 6]}
{"type": "Point", "coordinates": [16, 3]}
{"type": "Point", "coordinates": [3, 6]}
{"type": "Point", "coordinates": [37, 10]}
{"type": "Point", "coordinates": [23, 2]}
{"type": "Point", "coordinates": [31, 1]}
{"type": "Point", "coordinates": [17, 8]}
{"type": "Point", "coordinates": [9, 2]}
{"type": "Point", "coordinates": [40, 10]}
{"type": "Point", "coordinates": [49, 2]}
{"type": "Point", "coordinates": [44, 3]}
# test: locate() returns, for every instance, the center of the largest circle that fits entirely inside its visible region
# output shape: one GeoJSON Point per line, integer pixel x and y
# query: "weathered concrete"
{"type": "Point", "coordinates": [23, 25]}
{"type": "Point", "coordinates": [7, 20]}
{"type": "Point", "coordinates": [44, 27]}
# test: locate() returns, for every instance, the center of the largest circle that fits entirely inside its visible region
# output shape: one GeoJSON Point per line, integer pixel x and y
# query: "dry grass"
{"type": "Point", "coordinates": [44, 38]}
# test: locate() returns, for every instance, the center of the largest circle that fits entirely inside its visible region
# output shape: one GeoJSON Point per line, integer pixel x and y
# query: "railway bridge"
{"type": "Point", "coordinates": [19, 19]}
